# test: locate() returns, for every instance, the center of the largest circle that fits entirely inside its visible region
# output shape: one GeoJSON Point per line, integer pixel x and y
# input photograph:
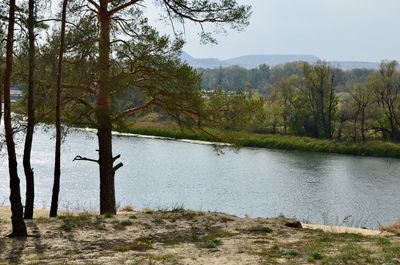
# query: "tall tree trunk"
{"type": "Point", "coordinates": [322, 112]}
{"type": "Point", "coordinates": [104, 126]}
{"type": "Point", "coordinates": [394, 133]}
{"type": "Point", "coordinates": [1, 97]}
{"type": "Point", "coordinates": [363, 123]}
{"type": "Point", "coordinates": [284, 125]}
{"type": "Point", "coordinates": [330, 108]}
{"type": "Point", "coordinates": [355, 128]}
{"type": "Point", "coordinates": [29, 176]}
{"type": "Point", "coordinates": [317, 117]}
{"type": "Point", "coordinates": [17, 218]}
{"type": "Point", "coordinates": [57, 163]}
{"type": "Point", "coordinates": [1, 101]}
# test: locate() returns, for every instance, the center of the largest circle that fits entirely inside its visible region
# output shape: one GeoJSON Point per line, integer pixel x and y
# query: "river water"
{"type": "Point", "coordinates": [320, 188]}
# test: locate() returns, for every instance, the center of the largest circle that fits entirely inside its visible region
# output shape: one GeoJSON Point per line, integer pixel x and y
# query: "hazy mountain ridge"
{"type": "Point", "coordinates": [253, 61]}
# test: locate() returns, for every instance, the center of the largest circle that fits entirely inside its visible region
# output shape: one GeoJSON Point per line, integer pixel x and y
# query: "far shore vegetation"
{"type": "Point", "coordinates": [376, 148]}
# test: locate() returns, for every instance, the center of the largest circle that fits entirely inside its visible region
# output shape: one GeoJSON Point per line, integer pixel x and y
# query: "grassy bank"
{"type": "Point", "coordinates": [370, 148]}
{"type": "Point", "coordinates": [183, 237]}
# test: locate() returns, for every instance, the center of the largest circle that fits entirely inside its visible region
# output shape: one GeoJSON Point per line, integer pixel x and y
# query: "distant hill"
{"type": "Point", "coordinates": [202, 63]}
{"type": "Point", "coordinates": [253, 61]}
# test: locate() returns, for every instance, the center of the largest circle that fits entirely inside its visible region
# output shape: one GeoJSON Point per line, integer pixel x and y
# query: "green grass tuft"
{"type": "Point", "coordinates": [140, 244]}
{"type": "Point", "coordinates": [260, 229]}
{"type": "Point", "coordinates": [290, 252]}
{"type": "Point", "coordinates": [126, 222]}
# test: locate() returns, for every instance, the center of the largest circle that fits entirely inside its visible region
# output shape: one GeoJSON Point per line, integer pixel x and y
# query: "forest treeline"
{"type": "Point", "coordinates": [265, 77]}
{"type": "Point", "coordinates": [311, 100]}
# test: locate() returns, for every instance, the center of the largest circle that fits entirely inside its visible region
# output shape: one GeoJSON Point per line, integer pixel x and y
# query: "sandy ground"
{"type": "Point", "coordinates": [186, 237]}
{"type": "Point", "coordinates": [344, 229]}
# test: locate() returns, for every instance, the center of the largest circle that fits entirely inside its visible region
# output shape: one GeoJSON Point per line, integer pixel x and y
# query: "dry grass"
{"type": "Point", "coordinates": [393, 228]}
{"type": "Point", "coordinates": [127, 208]}
{"type": "Point", "coordinates": [180, 237]}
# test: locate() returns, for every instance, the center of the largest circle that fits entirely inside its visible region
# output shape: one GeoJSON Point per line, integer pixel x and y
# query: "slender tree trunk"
{"type": "Point", "coordinates": [29, 176]}
{"type": "Point", "coordinates": [314, 106]}
{"type": "Point", "coordinates": [317, 124]}
{"type": "Point", "coordinates": [285, 116]}
{"type": "Point", "coordinates": [394, 133]}
{"type": "Point", "coordinates": [104, 126]}
{"type": "Point", "coordinates": [355, 128]}
{"type": "Point", "coordinates": [284, 125]}
{"type": "Point", "coordinates": [322, 113]}
{"type": "Point", "coordinates": [1, 97]}
{"type": "Point", "coordinates": [340, 131]}
{"type": "Point", "coordinates": [330, 108]}
{"type": "Point", "coordinates": [1, 101]}
{"type": "Point", "coordinates": [17, 218]}
{"type": "Point", "coordinates": [57, 163]}
{"type": "Point", "coordinates": [363, 124]}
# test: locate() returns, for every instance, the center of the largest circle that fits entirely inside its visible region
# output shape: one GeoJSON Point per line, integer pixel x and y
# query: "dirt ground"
{"type": "Point", "coordinates": [186, 237]}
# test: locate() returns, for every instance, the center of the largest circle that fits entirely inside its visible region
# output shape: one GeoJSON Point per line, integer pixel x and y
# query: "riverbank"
{"type": "Point", "coordinates": [187, 237]}
{"type": "Point", "coordinates": [283, 142]}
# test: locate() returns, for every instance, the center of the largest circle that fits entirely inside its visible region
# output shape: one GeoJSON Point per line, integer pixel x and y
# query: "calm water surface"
{"type": "Point", "coordinates": [320, 188]}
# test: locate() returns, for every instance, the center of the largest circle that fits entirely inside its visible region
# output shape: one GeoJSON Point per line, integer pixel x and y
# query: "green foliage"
{"type": "Point", "coordinates": [242, 110]}
{"type": "Point", "coordinates": [285, 142]}
{"type": "Point", "coordinates": [315, 255]}
{"type": "Point", "coordinates": [264, 78]}
{"type": "Point", "coordinates": [146, 76]}
{"type": "Point", "coordinates": [126, 222]}
{"type": "Point", "coordinates": [305, 102]}
{"type": "Point", "coordinates": [386, 88]}
{"type": "Point", "coordinates": [289, 252]}
{"type": "Point", "coordinates": [139, 244]}
{"type": "Point", "coordinates": [67, 226]}
{"type": "Point", "coordinates": [260, 229]}
{"type": "Point", "coordinates": [212, 239]}
{"type": "Point", "coordinates": [212, 243]}
{"type": "Point", "coordinates": [75, 221]}
{"type": "Point", "coordinates": [108, 215]}
{"type": "Point", "coordinates": [351, 253]}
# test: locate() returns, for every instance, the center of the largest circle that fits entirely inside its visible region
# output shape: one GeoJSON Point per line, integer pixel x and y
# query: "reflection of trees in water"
{"type": "Point", "coordinates": [307, 161]}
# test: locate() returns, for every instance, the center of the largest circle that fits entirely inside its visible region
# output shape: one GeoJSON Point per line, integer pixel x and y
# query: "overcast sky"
{"type": "Point", "coordinates": [362, 30]}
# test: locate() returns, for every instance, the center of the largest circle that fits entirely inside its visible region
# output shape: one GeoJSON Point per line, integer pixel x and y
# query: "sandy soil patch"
{"type": "Point", "coordinates": [186, 237]}
{"type": "Point", "coordinates": [344, 229]}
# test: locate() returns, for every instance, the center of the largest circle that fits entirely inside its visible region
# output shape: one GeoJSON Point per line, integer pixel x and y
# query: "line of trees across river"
{"type": "Point", "coordinates": [315, 100]}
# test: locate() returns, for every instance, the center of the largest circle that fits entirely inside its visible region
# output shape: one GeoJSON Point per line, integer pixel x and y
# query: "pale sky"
{"type": "Point", "coordinates": [358, 30]}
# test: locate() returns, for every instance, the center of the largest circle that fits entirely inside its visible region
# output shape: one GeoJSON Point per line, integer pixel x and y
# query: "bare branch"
{"type": "Point", "coordinates": [81, 158]}
{"type": "Point", "coordinates": [94, 3]}
{"type": "Point", "coordinates": [59, 20]}
{"type": "Point", "coordinates": [134, 109]}
{"type": "Point", "coordinates": [118, 166]}
{"type": "Point", "coordinates": [123, 6]}
{"type": "Point", "coordinates": [116, 157]}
